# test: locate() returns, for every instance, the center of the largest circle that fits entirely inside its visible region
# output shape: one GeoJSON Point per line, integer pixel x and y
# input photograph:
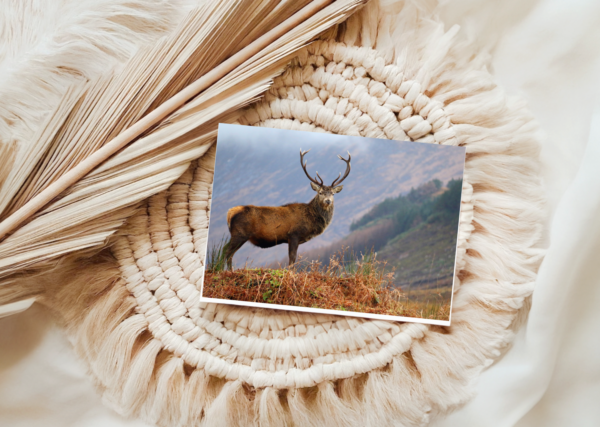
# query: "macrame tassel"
{"type": "Point", "coordinates": [331, 409]}
{"type": "Point", "coordinates": [299, 407]}
{"type": "Point", "coordinates": [319, 406]}
{"type": "Point", "coordinates": [115, 357]}
{"type": "Point", "coordinates": [135, 389]}
{"type": "Point", "coordinates": [270, 410]}
{"type": "Point", "coordinates": [351, 390]}
{"type": "Point", "coordinates": [393, 394]}
{"type": "Point", "coordinates": [165, 409]}
{"type": "Point", "coordinates": [194, 398]}
{"type": "Point", "coordinates": [231, 408]}
{"type": "Point", "coordinates": [102, 319]}
{"type": "Point", "coordinates": [444, 382]}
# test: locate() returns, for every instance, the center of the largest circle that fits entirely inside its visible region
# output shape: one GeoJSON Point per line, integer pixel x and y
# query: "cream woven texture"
{"type": "Point", "coordinates": [330, 88]}
{"type": "Point", "coordinates": [412, 370]}
{"type": "Point", "coordinates": [351, 91]}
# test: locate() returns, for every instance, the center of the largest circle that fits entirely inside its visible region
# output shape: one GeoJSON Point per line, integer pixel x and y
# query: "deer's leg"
{"type": "Point", "coordinates": [235, 243]}
{"type": "Point", "coordinates": [292, 250]}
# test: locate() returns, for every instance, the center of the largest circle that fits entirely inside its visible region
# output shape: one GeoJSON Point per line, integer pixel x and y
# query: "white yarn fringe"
{"type": "Point", "coordinates": [230, 371]}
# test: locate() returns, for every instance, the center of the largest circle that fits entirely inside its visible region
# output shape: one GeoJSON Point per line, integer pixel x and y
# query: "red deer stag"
{"type": "Point", "coordinates": [294, 223]}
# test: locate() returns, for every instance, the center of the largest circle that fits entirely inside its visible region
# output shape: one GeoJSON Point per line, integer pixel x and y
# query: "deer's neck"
{"type": "Point", "coordinates": [324, 216]}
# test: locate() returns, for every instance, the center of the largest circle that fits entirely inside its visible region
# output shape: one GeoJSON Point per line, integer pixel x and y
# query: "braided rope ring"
{"type": "Point", "coordinates": [351, 90]}
{"type": "Point", "coordinates": [162, 255]}
{"type": "Point", "coordinates": [404, 371]}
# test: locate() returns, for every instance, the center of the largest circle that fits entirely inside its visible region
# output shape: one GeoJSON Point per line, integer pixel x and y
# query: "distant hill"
{"type": "Point", "coordinates": [422, 257]}
{"type": "Point", "coordinates": [415, 234]}
{"type": "Point", "coordinates": [268, 173]}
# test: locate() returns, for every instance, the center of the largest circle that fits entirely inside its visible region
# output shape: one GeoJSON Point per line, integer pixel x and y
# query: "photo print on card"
{"type": "Point", "coordinates": [335, 224]}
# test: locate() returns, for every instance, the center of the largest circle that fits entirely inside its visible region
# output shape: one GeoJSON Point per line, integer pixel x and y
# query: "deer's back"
{"type": "Point", "coordinates": [267, 226]}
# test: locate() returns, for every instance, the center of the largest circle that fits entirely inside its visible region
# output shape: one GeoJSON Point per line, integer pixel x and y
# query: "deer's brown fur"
{"type": "Point", "coordinates": [294, 223]}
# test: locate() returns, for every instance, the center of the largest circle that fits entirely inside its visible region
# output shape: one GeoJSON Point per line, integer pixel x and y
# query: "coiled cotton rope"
{"type": "Point", "coordinates": [159, 353]}
{"type": "Point", "coordinates": [162, 255]}
{"type": "Point", "coordinates": [351, 90]}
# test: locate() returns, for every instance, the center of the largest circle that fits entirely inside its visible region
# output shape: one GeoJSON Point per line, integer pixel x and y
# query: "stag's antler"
{"type": "Point", "coordinates": [335, 181]}
{"type": "Point", "coordinates": [303, 163]}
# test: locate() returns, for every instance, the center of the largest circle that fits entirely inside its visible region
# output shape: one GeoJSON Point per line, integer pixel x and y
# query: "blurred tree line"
{"type": "Point", "coordinates": [429, 203]}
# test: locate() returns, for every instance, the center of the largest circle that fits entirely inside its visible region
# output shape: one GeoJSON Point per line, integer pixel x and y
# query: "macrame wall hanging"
{"type": "Point", "coordinates": [133, 312]}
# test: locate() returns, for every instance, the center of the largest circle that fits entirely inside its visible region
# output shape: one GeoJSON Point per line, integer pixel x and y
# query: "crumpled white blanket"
{"type": "Point", "coordinates": [547, 51]}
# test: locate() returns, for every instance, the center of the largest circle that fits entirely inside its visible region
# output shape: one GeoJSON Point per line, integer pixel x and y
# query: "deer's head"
{"type": "Point", "coordinates": [325, 193]}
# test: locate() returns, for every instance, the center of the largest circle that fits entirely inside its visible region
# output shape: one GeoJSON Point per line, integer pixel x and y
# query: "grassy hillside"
{"type": "Point", "coordinates": [415, 234]}
{"type": "Point", "coordinates": [422, 257]}
{"type": "Point", "coordinates": [410, 242]}
{"type": "Point", "coordinates": [361, 286]}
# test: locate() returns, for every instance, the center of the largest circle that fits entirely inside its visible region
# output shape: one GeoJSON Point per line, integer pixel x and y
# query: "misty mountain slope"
{"type": "Point", "coordinates": [422, 257]}
{"type": "Point", "coordinates": [415, 234]}
{"type": "Point", "coordinates": [260, 166]}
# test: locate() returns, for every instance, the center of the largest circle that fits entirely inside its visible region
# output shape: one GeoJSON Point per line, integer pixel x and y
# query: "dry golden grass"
{"type": "Point", "coordinates": [360, 286]}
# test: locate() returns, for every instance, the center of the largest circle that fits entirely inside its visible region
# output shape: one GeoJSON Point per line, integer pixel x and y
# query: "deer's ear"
{"type": "Point", "coordinates": [337, 189]}
{"type": "Point", "coordinates": [314, 186]}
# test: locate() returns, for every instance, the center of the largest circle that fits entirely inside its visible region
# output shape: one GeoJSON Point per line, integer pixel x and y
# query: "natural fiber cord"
{"type": "Point", "coordinates": [158, 353]}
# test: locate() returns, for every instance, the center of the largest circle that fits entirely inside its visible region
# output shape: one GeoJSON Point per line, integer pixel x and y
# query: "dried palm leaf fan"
{"type": "Point", "coordinates": [133, 311]}
{"type": "Point", "coordinates": [61, 193]}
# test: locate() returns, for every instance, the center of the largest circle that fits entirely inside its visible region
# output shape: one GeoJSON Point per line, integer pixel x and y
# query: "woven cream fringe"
{"type": "Point", "coordinates": [157, 353]}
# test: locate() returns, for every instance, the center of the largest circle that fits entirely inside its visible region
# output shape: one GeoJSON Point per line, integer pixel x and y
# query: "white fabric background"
{"type": "Point", "coordinates": [546, 51]}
